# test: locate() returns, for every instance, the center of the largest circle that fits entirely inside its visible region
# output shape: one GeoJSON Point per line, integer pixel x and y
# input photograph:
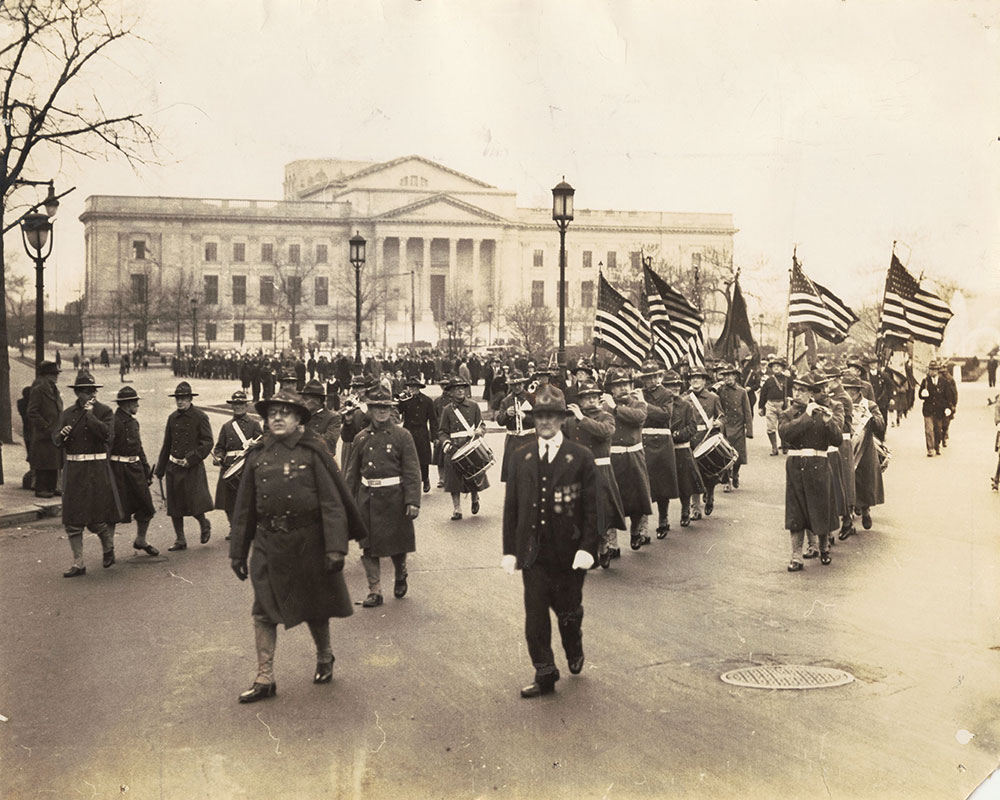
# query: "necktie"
{"type": "Point", "coordinates": [546, 456]}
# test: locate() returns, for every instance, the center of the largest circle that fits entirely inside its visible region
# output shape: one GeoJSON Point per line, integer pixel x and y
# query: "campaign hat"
{"type": "Point", "coordinates": [84, 380]}
{"type": "Point", "coordinates": [127, 393]}
{"type": "Point", "coordinates": [671, 378]}
{"type": "Point", "coordinates": [239, 396]}
{"type": "Point", "coordinates": [283, 397]}
{"type": "Point", "coordinates": [315, 388]}
{"type": "Point", "coordinates": [183, 390]}
{"type": "Point", "coordinates": [586, 387]}
{"type": "Point", "coordinates": [650, 369]}
{"type": "Point", "coordinates": [379, 396]}
{"type": "Point", "coordinates": [413, 380]}
{"type": "Point", "coordinates": [616, 375]}
{"type": "Point", "coordinates": [549, 398]}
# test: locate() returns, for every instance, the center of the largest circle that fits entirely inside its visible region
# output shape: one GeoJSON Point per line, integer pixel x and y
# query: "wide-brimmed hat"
{"type": "Point", "coordinates": [550, 399]}
{"type": "Point", "coordinates": [856, 361]}
{"type": "Point", "coordinates": [413, 380]}
{"type": "Point", "coordinates": [455, 381]}
{"type": "Point", "coordinates": [833, 373]}
{"type": "Point", "coordinates": [125, 394]}
{"type": "Point", "coordinates": [698, 372]}
{"type": "Point", "coordinates": [586, 387]}
{"type": "Point", "coordinates": [583, 364]}
{"type": "Point", "coordinates": [359, 380]}
{"type": "Point", "coordinates": [283, 398]}
{"type": "Point", "coordinates": [516, 376]}
{"type": "Point", "coordinates": [777, 361]}
{"type": "Point", "coordinates": [239, 396]}
{"type": "Point", "coordinates": [48, 368]}
{"type": "Point", "coordinates": [379, 396]}
{"type": "Point", "coordinates": [728, 369]}
{"type": "Point", "coordinates": [650, 369]}
{"type": "Point", "coordinates": [812, 380]}
{"type": "Point", "coordinates": [315, 388]}
{"type": "Point", "coordinates": [851, 382]}
{"type": "Point", "coordinates": [183, 390]}
{"type": "Point", "coordinates": [671, 378]}
{"type": "Point", "coordinates": [84, 380]}
{"type": "Point", "coordinates": [616, 375]}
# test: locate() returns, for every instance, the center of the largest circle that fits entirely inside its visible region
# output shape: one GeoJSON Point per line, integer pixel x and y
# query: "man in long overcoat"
{"type": "Point", "coordinates": [868, 423]}
{"type": "Point", "coordinates": [737, 419]}
{"type": "Point", "coordinates": [384, 478]}
{"type": "Point", "coordinates": [708, 416]}
{"type": "Point", "coordinates": [461, 421]}
{"type": "Point", "coordinates": [514, 414]}
{"type": "Point", "coordinates": [658, 443]}
{"type": "Point", "coordinates": [187, 441]}
{"type": "Point", "coordinates": [550, 533]}
{"type": "Point", "coordinates": [296, 510]}
{"type": "Point", "coordinates": [90, 499]}
{"type": "Point", "coordinates": [323, 422]}
{"type": "Point", "coordinates": [45, 406]}
{"type": "Point", "coordinates": [682, 428]}
{"type": "Point", "coordinates": [935, 393]}
{"type": "Point", "coordinates": [236, 436]}
{"type": "Point", "coordinates": [628, 459]}
{"type": "Point", "coordinates": [131, 470]}
{"type": "Point", "coordinates": [420, 419]}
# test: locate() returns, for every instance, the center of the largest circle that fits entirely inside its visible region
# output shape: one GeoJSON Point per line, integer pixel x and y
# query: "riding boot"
{"type": "Point", "coordinates": [76, 545]}
{"type": "Point", "coordinates": [141, 526]}
{"type": "Point", "coordinates": [266, 639]}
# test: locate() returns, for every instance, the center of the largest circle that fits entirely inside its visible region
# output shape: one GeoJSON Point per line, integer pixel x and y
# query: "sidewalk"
{"type": "Point", "coordinates": [17, 505]}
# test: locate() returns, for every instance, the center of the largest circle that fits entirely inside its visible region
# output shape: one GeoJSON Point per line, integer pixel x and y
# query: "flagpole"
{"type": "Point", "coordinates": [789, 336]}
{"type": "Point", "coordinates": [880, 344]}
{"type": "Point", "coordinates": [600, 271]}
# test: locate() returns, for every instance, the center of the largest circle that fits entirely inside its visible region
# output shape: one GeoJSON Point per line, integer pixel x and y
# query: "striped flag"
{"type": "Point", "coordinates": [814, 307]}
{"type": "Point", "coordinates": [675, 323]}
{"type": "Point", "coordinates": [619, 327]}
{"type": "Point", "coordinates": [909, 312]}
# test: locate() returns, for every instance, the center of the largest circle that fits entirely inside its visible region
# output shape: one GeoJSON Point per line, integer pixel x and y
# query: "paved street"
{"type": "Point", "coordinates": [125, 681]}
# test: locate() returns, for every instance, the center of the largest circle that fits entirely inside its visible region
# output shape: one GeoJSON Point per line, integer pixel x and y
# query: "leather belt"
{"type": "Point", "coordinates": [806, 452]}
{"type": "Point", "coordinates": [620, 448]}
{"type": "Point", "coordinates": [125, 459]}
{"type": "Point", "coordinates": [461, 435]}
{"type": "Point", "coordinates": [179, 461]}
{"type": "Point", "coordinates": [833, 449]}
{"type": "Point", "coordinates": [375, 483]}
{"type": "Point", "coordinates": [702, 428]}
{"type": "Point", "coordinates": [656, 431]}
{"type": "Point", "coordinates": [525, 432]}
{"type": "Point", "coordinates": [847, 437]}
{"type": "Point", "coordinates": [86, 457]}
{"type": "Point", "coordinates": [682, 444]}
{"type": "Point", "coordinates": [288, 522]}
{"type": "Point", "coordinates": [603, 461]}
{"type": "Point", "coordinates": [234, 453]}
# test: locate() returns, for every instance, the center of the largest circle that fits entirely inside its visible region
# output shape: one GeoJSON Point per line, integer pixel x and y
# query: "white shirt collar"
{"type": "Point", "coordinates": [553, 444]}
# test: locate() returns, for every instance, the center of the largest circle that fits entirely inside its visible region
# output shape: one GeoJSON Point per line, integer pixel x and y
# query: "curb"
{"type": "Point", "coordinates": [29, 512]}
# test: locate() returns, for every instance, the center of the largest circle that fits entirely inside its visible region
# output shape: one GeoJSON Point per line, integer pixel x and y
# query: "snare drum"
{"type": "Point", "coordinates": [472, 459]}
{"type": "Point", "coordinates": [714, 456]}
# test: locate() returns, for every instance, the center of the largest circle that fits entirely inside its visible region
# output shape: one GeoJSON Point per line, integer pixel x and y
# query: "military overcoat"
{"type": "Point", "coordinates": [188, 435]}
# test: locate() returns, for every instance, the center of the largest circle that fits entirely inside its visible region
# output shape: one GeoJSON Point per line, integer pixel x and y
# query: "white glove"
{"type": "Point", "coordinates": [583, 560]}
{"type": "Point", "coordinates": [947, 412]}
{"type": "Point", "coordinates": [509, 564]}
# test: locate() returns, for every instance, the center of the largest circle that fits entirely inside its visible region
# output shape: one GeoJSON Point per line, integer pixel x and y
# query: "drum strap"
{"type": "Point", "coordinates": [239, 433]}
{"type": "Point", "coordinates": [463, 421]}
{"type": "Point", "coordinates": [697, 404]}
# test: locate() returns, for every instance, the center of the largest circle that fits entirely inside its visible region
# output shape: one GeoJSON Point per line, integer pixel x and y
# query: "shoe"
{"type": "Point", "coordinates": [109, 558]}
{"type": "Point", "coordinates": [576, 665]}
{"type": "Point", "coordinates": [45, 494]}
{"type": "Point", "coordinates": [259, 691]}
{"type": "Point", "coordinates": [475, 506]}
{"type": "Point", "coordinates": [824, 558]}
{"type": "Point", "coordinates": [696, 515]}
{"type": "Point", "coordinates": [846, 533]}
{"type": "Point", "coordinates": [399, 588]}
{"type": "Point", "coordinates": [228, 537]}
{"type": "Point", "coordinates": [774, 452]}
{"type": "Point", "coordinates": [324, 672]}
{"type": "Point", "coordinates": [812, 552]}
{"type": "Point", "coordinates": [994, 484]}
{"type": "Point", "coordinates": [440, 484]}
{"type": "Point", "coordinates": [709, 507]}
{"type": "Point", "coordinates": [866, 520]}
{"type": "Point", "coordinates": [661, 530]}
{"type": "Point", "coordinates": [74, 572]}
{"type": "Point", "coordinates": [727, 487]}
{"type": "Point", "coordinates": [604, 559]}
{"type": "Point", "coordinates": [148, 548]}
{"type": "Point", "coordinates": [937, 451]}
{"type": "Point", "coordinates": [615, 552]}
{"type": "Point", "coordinates": [427, 486]}
{"type": "Point", "coordinates": [456, 515]}
{"type": "Point", "coordinates": [635, 541]}
{"type": "Point", "coordinates": [685, 520]}
{"type": "Point", "coordinates": [178, 545]}
{"type": "Point", "coordinates": [206, 532]}
{"type": "Point", "coordinates": [736, 483]}
{"type": "Point", "coordinates": [930, 454]}
{"type": "Point", "coordinates": [538, 688]}
{"type": "Point", "coordinates": [372, 600]}
{"type": "Point", "coordinates": [796, 566]}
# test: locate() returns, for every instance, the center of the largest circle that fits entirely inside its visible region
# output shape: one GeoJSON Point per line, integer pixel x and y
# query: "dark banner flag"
{"type": "Point", "coordinates": [737, 327]}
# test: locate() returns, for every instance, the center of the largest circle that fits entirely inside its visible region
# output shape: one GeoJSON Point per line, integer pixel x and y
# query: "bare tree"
{"type": "Point", "coordinates": [20, 308]}
{"type": "Point", "coordinates": [374, 296]}
{"type": "Point", "coordinates": [174, 302]}
{"type": "Point", "coordinates": [531, 326]}
{"type": "Point", "coordinates": [460, 309]}
{"type": "Point", "coordinates": [289, 293]}
{"type": "Point", "coordinates": [50, 50]}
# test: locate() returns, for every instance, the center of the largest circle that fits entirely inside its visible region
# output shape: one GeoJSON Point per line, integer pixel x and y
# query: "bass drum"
{"type": "Point", "coordinates": [714, 456]}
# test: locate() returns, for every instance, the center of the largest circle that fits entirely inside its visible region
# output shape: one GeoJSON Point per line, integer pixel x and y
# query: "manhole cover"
{"type": "Point", "coordinates": [787, 676]}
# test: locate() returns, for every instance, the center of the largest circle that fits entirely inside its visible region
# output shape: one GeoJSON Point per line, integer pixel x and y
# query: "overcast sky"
{"type": "Point", "coordinates": [839, 126]}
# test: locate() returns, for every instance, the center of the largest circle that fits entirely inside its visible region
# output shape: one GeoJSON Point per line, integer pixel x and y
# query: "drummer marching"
{"type": "Point", "coordinates": [515, 416]}
{"type": "Point", "coordinates": [461, 422]}
{"type": "Point", "coordinates": [236, 437]}
{"type": "Point", "coordinates": [708, 416]}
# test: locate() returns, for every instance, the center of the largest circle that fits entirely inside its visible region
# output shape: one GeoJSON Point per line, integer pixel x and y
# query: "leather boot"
{"type": "Point", "coordinates": [773, 437]}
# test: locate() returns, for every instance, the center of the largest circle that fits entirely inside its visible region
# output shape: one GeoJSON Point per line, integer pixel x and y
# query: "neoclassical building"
{"type": "Point", "coordinates": [454, 239]}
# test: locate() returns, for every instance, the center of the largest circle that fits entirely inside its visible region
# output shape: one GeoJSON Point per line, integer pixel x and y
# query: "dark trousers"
{"type": "Point", "coordinates": [562, 591]}
{"type": "Point", "coordinates": [45, 480]}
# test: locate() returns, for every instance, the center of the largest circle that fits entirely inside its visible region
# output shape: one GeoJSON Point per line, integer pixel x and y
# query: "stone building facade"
{"type": "Point", "coordinates": [263, 273]}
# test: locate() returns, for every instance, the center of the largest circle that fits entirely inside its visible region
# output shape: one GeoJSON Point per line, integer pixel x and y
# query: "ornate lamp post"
{"type": "Point", "coordinates": [36, 233]}
{"type": "Point", "coordinates": [489, 311]}
{"type": "Point", "coordinates": [357, 256]}
{"type": "Point", "coordinates": [562, 213]}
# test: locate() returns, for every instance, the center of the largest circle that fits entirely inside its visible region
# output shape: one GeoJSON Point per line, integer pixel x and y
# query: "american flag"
{"type": "Point", "coordinates": [675, 323]}
{"type": "Point", "coordinates": [619, 327]}
{"type": "Point", "coordinates": [909, 312]}
{"type": "Point", "coordinates": [814, 307]}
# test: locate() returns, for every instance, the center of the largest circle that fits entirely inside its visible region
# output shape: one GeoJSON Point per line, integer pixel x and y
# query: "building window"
{"type": "Point", "coordinates": [321, 291]}
{"type": "Point", "coordinates": [267, 332]}
{"type": "Point", "coordinates": [211, 251]}
{"type": "Point", "coordinates": [321, 254]}
{"type": "Point", "coordinates": [139, 250]}
{"type": "Point", "coordinates": [293, 289]}
{"type": "Point", "coordinates": [267, 253]}
{"type": "Point", "coordinates": [539, 260]}
{"type": "Point", "coordinates": [635, 259]}
{"type": "Point", "coordinates": [588, 259]}
{"type": "Point", "coordinates": [612, 259]}
{"type": "Point", "coordinates": [239, 290]}
{"type": "Point", "coordinates": [267, 292]}
{"type": "Point", "coordinates": [587, 294]}
{"type": "Point", "coordinates": [211, 332]}
{"type": "Point", "coordinates": [322, 333]}
{"type": "Point", "coordinates": [293, 330]}
{"type": "Point", "coordinates": [239, 332]}
{"type": "Point", "coordinates": [696, 261]}
{"type": "Point", "coordinates": [294, 253]}
{"type": "Point", "coordinates": [537, 294]}
{"type": "Point", "coordinates": [239, 252]}
{"type": "Point", "coordinates": [139, 288]}
{"type": "Point", "coordinates": [211, 289]}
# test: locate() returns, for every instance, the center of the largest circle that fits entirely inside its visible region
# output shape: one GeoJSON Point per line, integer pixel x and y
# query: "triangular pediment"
{"type": "Point", "coordinates": [422, 168]}
{"type": "Point", "coordinates": [441, 208]}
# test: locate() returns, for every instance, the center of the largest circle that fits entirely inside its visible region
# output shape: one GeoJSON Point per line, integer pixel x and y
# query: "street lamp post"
{"type": "Point", "coordinates": [194, 326]}
{"type": "Point", "coordinates": [489, 331]}
{"type": "Point", "coordinates": [357, 257]}
{"type": "Point", "coordinates": [562, 213]}
{"type": "Point", "coordinates": [451, 340]}
{"type": "Point", "coordinates": [36, 233]}
{"type": "Point", "coordinates": [760, 330]}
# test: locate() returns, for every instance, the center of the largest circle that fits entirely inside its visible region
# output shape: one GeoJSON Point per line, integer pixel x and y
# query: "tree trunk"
{"type": "Point", "coordinates": [6, 431]}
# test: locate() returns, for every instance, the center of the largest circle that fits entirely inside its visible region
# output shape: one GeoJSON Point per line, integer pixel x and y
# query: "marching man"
{"type": "Point", "coordinates": [235, 438]}
{"type": "Point", "coordinates": [131, 470]}
{"type": "Point", "coordinates": [515, 416]}
{"type": "Point", "coordinates": [461, 421]}
{"type": "Point", "coordinates": [550, 534]}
